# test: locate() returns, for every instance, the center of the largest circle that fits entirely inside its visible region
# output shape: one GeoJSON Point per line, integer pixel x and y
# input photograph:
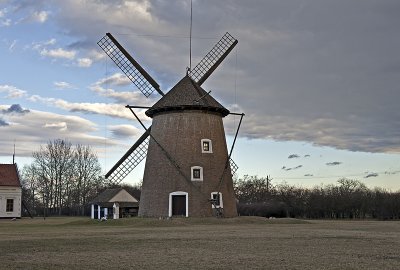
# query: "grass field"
{"type": "Point", "coordinates": [189, 243]}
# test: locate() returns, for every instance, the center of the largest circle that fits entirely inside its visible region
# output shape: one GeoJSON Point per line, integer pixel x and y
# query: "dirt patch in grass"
{"type": "Point", "coordinates": [239, 243]}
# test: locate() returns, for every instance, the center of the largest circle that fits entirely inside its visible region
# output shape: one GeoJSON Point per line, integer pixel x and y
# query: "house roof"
{"type": "Point", "coordinates": [114, 195]}
{"type": "Point", "coordinates": [187, 95]}
{"type": "Point", "coordinates": [9, 175]}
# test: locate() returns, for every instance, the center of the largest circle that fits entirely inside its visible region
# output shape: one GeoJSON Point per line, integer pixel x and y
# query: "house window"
{"type": "Point", "coordinates": [216, 198]}
{"type": "Point", "coordinates": [10, 205]}
{"type": "Point", "coordinates": [197, 173]}
{"type": "Point", "coordinates": [206, 146]}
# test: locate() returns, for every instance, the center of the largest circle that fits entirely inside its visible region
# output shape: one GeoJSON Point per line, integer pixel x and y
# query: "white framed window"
{"type": "Point", "coordinates": [196, 173]}
{"type": "Point", "coordinates": [218, 202]}
{"type": "Point", "coordinates": [206, 146]}
{"type": "Point", "coordinates": [10, 205]}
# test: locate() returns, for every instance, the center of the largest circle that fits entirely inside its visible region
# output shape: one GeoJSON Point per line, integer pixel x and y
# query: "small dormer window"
{"type": "Point", "coordinates": [206, 146]}
{"type": "Point", "coordinates": [197, 173]}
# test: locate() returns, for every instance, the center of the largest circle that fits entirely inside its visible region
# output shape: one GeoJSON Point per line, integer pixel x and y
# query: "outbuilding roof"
{"type": "Point", "coordinates": [9, 175]}
{"type": "Point", "coordinates": [187, 95]}
{"type": "Point", "coordinates": [114, 195]}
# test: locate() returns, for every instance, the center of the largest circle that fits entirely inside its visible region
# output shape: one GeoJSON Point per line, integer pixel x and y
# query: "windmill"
{"type": "Point", "coordinates": [188, 170]}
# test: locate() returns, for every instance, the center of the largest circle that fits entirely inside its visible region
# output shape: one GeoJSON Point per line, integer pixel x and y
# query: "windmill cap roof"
{"type": "Point", "coordinates": [187, 95]}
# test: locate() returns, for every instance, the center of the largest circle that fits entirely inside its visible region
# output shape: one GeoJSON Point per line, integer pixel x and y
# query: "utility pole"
{"type": "Point", "coordinates": [268, 183]}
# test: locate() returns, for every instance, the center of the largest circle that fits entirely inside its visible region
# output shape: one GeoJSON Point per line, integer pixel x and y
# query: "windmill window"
{"type": "Point", "coordinates": [206, 146]}
{"type": "Point", "coordinates": [197, 173]}
{"type": "Point", "coordinates": [10, 205]}
{"type": "Point", "coordinates": [216, 198]}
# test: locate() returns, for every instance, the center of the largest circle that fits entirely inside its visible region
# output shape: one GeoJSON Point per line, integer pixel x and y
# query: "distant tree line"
{"type": "Point", "coordinates": [62, 179]}
{"type": "Point", "coordinates": [346, 199]}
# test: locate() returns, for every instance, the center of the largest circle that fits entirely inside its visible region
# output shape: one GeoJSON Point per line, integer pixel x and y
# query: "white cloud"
{"type": "Point", "coordinates": [6, 22]}
{"type": "Point", "coordinates": [136, 98]}
{"type": "Point", "coordinates": [12, 45]}
{"type": "Point", "coordinates": [113, 110]}
{"type": "Point", "coordinates": [63, 85]}
{"type": "Point", "coordinates": [12, 91]}
{"type": "Point", "coordinates": [96, 55]}
{"type": "Point", "coordinates": [58, 53]}
{"type": "Point", "coordinates": [117, 79]}
{"type": "Point", "coordinates": [125, 131]}
{"type": "Point", "coordinates": [84, 62]}
{"type": "Point", "coordinates": [25, 127]}
{"type": "Point", "coordinates": [39, 16]}
{"type": "Point", "coordinates": [61, 126]}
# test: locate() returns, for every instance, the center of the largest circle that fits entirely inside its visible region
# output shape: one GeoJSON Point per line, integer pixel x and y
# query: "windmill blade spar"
{"type": "Point", "coordinates": [213, 59]}
{"type": "Point", "coordinates": [130, 160]}
{"type": "Point", "coordinates": [132, 69]}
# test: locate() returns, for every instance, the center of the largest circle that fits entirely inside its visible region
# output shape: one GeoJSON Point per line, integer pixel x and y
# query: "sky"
{"type": "Point", "coordinates": [318, 81]}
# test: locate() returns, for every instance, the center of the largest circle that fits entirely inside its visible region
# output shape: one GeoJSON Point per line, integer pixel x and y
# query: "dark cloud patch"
{"type": "Point", "coordinates": [335, 163]}
{"type": "Point", "coordinates": [308, 175]}
{"type": "Point", "coordinates": [3, 123]}
{"type": "Point", "coordinates": [293, 156]}
{"type": "Point", "coordinates": [15, 108]}
{"type": "Point", "coordinates": [307, 156]}
{"type": "Point", "coordinates": [391, 172]}
{"type": "Point", "coordinates": [293, 168]}
{"type": "Point", "coordinates": [371, 175]}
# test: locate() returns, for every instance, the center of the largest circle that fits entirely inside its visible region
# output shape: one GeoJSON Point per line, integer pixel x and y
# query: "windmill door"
{"type": "Point", "coordinates": [179, 205]}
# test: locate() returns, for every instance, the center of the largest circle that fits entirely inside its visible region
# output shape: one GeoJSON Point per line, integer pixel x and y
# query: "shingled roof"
{"type": "Point", "coordinates": [187, 95]}
{"type": "Point", "coordinates": [109, 195]}
{"type": "Point", "coordinates": [9, 175]}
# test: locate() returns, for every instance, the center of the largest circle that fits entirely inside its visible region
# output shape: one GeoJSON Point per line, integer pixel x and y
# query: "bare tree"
{"type": "Point", "coordinates": [87, 171]}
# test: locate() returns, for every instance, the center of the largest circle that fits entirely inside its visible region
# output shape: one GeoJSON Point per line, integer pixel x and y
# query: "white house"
{"type": "Point", "coordinates": [10, 191]}
{"type": "Point", "coordinates": [114, 203]}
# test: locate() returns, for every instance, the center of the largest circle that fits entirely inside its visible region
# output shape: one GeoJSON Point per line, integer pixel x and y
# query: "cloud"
{"type": "Point", "coordinates": [14, 108]}
{"type": "Point", "coordinates": [117, 79]}
{"type": "Point", "coordinates": [63, 85]}
{"type": "Point", "coordinates": [39, 16]}
{"type": "Point", "coordinates": [124, 131]}
{"type": "Point", "coordinates": [6, 22]}
{"type": "Point", "coordinates": [38, 127]}
{"type": "Point", "coordinates": [40, 45]}
{"type": "Point", "coordinates": [293, 168]}
{"type": "Point", "coordinates": [307, 156]}
{"type": "Point", "coordinates": [315, 83]}
{"type": "Point", "coordinates": [3, 123]}
{"type": "Point", "coordinates": [335, 163]}
{"type": "Point", "coordinates": [294, 156]}
{"type": "Point", "coordinates": [12, 91]}
{"type": "Point", "coordinates": [371, 175]}
{"type": "Point", "coordinates": [84, 62]}
{"type": "Point", "coordinates": [12, 45]}
{"type": "Point", "coordinates": [58, 53]}
{"type": "Point", "coordinates": [113, 110]}
{"type": "Point", "coordinates": [60, 126]}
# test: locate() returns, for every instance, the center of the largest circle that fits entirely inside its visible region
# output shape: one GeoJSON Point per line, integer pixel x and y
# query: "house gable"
{"type": "Point", "coordinates": [123, 196]}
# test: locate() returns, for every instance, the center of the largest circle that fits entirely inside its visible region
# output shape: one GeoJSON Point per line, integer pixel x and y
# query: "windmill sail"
{"type": "Point", "coordinates": [143, 81]}
{"type": "Point", "coordinates": [213, 58]}
{"type": "Point", "coordinates": [234, 166]}
{"type": "Point", "coordinates": [130, 160]}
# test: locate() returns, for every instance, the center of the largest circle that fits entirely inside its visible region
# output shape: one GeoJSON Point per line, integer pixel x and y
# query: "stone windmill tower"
{"type": "Point", "coordinates": [188, 169]}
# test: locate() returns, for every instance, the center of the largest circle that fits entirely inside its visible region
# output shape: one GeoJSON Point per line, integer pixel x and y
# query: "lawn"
{"type": "Point", "coordinates": [190, 243]}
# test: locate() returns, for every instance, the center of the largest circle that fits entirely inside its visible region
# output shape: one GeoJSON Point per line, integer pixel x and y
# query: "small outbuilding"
{"type": "Point", "coordinates": [10, 191]}
{"type": "Point", "coordinates": [114, 203]}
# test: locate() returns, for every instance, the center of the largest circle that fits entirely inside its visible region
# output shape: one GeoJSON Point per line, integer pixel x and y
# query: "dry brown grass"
{"type": "Point", "coordinates": [240, 243]}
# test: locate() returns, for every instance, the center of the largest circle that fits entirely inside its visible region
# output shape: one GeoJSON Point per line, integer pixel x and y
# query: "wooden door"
{"type": "Point", "coordinates": [179, 205]}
